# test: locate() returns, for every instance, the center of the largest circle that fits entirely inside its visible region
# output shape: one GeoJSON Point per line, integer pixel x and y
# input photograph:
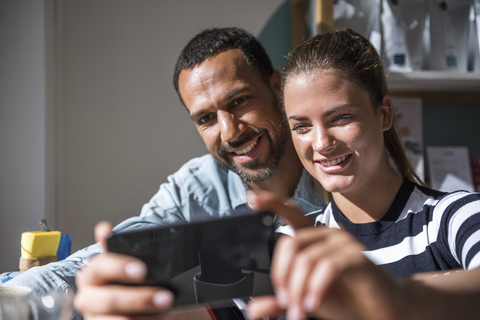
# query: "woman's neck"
{"type": "Point", "coordinates": [372, 202]}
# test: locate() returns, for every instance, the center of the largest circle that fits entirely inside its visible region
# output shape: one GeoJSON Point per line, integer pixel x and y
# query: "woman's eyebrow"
{"type": "Point", "coordinates": [327, 113]}
{"type": "Point", "coordinates": [340, 106]}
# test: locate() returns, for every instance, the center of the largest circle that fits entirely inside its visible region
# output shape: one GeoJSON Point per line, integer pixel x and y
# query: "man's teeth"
{"type": "Point", "coordinates": [247, 149]}
{"type": "Point", "coordinates": [334, 161]}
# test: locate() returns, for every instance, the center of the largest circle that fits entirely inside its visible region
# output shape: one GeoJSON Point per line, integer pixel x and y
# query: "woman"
{"type": "Point", "coordinates": [390, 242]}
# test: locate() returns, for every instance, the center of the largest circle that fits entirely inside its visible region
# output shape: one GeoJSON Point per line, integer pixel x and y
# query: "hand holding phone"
{"type": "Point", "coordinates": [207, 260]}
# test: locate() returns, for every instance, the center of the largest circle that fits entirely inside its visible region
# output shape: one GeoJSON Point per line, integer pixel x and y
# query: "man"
{"type": "Point", "coordinates": [230, 89]}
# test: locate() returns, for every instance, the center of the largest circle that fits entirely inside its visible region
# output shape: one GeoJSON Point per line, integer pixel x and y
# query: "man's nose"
{"type": "Point", "coordinates": [230, 126]}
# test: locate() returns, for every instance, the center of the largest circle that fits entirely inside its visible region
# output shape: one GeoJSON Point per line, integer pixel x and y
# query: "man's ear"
{"type": "Point", "coordinates": [386, 111]}
{"type": "Point", "coordinates": [276, 82]}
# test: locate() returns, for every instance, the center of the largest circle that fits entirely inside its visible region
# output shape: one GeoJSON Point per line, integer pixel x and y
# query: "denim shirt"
{"type": "Point", "coordinates": [200, 189]}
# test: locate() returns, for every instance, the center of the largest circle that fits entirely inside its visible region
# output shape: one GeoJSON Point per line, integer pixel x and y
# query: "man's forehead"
{"type": "Point", "coordinates": [231, 60]}
{"type": "Point", "coordinates": [228, 67]}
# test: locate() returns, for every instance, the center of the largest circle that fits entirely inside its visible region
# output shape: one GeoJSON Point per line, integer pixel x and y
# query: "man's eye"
{"type": "Point", "coordinates": [239, 101]}
{"type": "Point", "coordinates": [205, 119]}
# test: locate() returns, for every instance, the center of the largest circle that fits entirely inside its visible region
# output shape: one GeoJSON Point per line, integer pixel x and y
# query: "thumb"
{"type": "Point", "coordinates": [102, 230]}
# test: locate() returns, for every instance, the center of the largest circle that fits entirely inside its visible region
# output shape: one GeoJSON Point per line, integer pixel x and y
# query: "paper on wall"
{"type": "Point", "coordinates": [449, 168]}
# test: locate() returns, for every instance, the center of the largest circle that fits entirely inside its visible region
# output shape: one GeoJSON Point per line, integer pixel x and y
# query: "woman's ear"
{"type": "Point", "coordinates": [386, 111]}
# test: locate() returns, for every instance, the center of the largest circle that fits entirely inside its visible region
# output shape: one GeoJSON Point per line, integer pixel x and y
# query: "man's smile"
{"type": "Point", "coordinates": [248, 148]}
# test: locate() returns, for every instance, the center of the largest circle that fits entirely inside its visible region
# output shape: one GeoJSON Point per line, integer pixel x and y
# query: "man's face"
{"type": "Point", "coordinates": [236, 113]}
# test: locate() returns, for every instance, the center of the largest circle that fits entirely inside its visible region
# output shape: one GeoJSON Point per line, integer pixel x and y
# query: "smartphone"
{"type": "Point", "coordinates": [208, 260]}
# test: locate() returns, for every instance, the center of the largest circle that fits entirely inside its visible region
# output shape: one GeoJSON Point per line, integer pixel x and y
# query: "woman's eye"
{"type": "Point", "coordinates": [342, 117]}
{"type": "Point", "coordinates": [299, 128]}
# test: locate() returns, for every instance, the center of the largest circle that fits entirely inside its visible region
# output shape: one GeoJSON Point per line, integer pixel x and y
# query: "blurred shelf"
{"type": "Point", "coordinates": [434, 81]}
{"type": "Point", "coordinates": [436, 87]}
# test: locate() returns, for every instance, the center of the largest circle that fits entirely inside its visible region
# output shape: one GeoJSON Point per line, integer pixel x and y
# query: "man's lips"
{"type": "Point", "coordinates": [247, 148]}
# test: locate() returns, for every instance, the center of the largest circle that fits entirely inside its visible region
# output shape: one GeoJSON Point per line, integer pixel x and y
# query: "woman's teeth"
{"type": "Point", "coordinates": [334, 161]}
{"type": "Point", "coordinates": [247, 149]}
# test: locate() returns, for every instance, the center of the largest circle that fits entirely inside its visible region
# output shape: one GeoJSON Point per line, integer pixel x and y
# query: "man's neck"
{"type": "Point", "coordinates": [284, 180]}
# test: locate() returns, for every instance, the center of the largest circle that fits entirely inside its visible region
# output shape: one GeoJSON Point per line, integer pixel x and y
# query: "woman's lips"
{"type": "Point", "coordinates": [333, 162]}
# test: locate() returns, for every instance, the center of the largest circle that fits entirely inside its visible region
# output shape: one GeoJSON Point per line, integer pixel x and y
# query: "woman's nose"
{"type": "Point", "coordinates": [323, 141]}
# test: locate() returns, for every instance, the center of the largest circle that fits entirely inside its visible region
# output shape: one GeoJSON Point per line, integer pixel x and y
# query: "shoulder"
{"type": "Point", "coordinates": [200, 185]}
{"type": "Point", "coordinates": [439, 203]}
{"type": "Point", "coordinates": [455, 208]}
{"type": "Point", "coordinates": [457, 215]}
{"type": "Point", "coordinates": [458, 200]}
{"type": "Point", "coordinates": [200, 169]}
{"type": "Point", "coordinates": [197, 164]}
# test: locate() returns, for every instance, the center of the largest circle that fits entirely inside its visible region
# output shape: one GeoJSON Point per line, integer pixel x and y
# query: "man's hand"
{"type": "Point", "coordinates": [98, 298]}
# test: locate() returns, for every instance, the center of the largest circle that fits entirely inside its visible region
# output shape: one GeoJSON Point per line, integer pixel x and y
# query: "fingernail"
{"type": "Point", "coordinates": [135, 270]}
{"type": "Point", "coordinates": [295, 313]}
{"type": "Point", "coordinates": [163, 299]}
{"type": "Point", "coordinates": [309, 302]}
{"type": "Point", "coordinates": [282, 298]}
{"type": "Point", "coordinates": [250, 197]}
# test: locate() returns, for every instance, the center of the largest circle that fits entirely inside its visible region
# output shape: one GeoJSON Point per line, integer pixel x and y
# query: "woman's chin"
{"type": "Point", "coordinates": [336, 184]}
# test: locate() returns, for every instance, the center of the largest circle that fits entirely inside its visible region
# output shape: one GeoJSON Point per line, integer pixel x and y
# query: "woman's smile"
{"type": "Point", "coordinates": [335, 161]}
{"type": "Point", "coordinates": [336, 130]}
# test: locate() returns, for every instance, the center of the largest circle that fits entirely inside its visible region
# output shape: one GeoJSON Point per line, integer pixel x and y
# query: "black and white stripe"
{"type": "Point", "coordinates": [424, 230]}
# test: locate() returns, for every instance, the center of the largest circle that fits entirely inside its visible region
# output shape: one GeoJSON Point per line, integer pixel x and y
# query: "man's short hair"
{"type": "Point", "coordinates": [211, 42]}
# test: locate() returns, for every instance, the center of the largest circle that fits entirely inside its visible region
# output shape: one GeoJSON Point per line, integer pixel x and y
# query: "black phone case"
{"type": "Point", "coordinates": [205, 261]}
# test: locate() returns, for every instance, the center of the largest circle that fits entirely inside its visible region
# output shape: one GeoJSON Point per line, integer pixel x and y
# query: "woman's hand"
{"type": "Point", "coordinates": [323, 272]}
{"type": "Point", "coordinates": [291, 214]}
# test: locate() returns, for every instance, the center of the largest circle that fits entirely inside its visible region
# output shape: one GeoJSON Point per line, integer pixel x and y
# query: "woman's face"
{"type": "Point", "coordinates": [337, 132]}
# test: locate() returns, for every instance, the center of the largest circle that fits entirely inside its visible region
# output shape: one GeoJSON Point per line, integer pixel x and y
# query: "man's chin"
{"type": "Point", "coordinates": [251, 172]}
{"type": "Point", "coordinates": [254, 176]}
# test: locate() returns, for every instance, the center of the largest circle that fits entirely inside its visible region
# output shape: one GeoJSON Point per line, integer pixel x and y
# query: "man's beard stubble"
{"type": "Point", "coordinates": [254, 171]}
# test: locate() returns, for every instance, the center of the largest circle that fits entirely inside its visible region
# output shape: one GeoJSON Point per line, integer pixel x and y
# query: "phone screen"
{"type": "Point", "coordinates": [205, 261]}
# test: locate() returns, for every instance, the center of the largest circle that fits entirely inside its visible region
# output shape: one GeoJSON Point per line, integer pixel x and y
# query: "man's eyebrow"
{"type": "Point", "coordinates": [236, 91]}
{"type": "Point", "coordinates": [196, 114]}
{"type": "Point", "coordinates": [228, 97]}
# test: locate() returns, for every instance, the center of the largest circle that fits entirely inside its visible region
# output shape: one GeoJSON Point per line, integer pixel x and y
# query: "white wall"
{"type": "Point", "coordinates": [118, 128]}
{"type": "Point", "coordinates": [22, 125]}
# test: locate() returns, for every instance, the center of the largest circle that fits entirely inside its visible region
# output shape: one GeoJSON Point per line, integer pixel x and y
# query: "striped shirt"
{"type": "Point", "coordinates": [424, 230]}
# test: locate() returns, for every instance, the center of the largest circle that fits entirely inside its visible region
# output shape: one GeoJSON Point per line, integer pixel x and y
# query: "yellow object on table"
{"type": "Point", "coordinates": [38, 248]}
{"type": "Point", "coordinates": [25, 263]}
{"type": "Point", "coordinates": [40, 244]}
